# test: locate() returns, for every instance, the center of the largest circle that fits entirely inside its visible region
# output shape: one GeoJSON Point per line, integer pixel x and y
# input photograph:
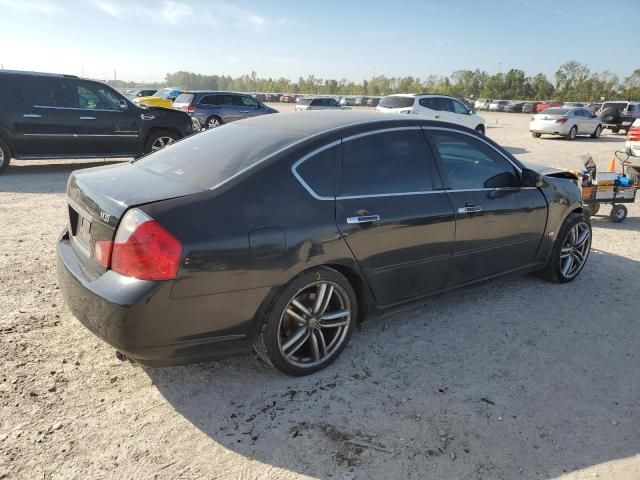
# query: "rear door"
{"type": "Point", "coordinates": [499, 225]}
{"type": "Point", "coordinates": [48, 123]}
{"type": "Point", "coordinates": [393, 213]}
{"type": "Point", "coordinates": [105, 128]}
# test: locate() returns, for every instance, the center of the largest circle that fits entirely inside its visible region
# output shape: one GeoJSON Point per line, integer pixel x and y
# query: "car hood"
{"type": "Point", "coordinates": [551, 171]}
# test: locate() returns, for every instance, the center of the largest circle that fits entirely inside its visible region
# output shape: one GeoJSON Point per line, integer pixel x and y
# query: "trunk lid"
{"type": "Point", "coordinates": [98, 197]}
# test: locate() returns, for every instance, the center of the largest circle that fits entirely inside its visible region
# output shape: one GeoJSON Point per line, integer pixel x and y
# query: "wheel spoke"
{"type": "Point", "coordinates": [566, 267]}
{"type": "Point", "coordinates": [565, 252]}
{"type": "Point", "coordinates": [323, 344]}
{"type": "Point", "coordinates": [320, 292]}
{"type": "Point", "coordinates": [293, 344]}
{"type": "Point", "coordinates": [582, 238]}
{"type": "Point", "coordinates": [315, 349]}
{"type": "Point", "coordinates": [300, 319]}
{"type": "Point", "coordinates": [325, 302]}
{"type": "Point", "coordinates": [335, 319]}
{"type": "Point", "coordinates": [296, 303]}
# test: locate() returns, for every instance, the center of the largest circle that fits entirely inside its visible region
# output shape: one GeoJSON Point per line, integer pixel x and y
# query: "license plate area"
{"type": "Point", "coordinates": [84, 230]}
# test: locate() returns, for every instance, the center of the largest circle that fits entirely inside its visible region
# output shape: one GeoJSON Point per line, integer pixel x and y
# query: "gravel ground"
{"type": "Point", "coordinates": [514, 378]}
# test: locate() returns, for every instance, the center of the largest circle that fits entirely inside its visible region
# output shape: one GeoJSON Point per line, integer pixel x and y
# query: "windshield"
{"type": "Point", "coordinates": [396, 102]}
{"type": "Point", "coordinates": [208, 159]}
{"type": "Point", "coordinates": [184, 98]}
{"type": "Point", "coordinates": [162, 93]}
{"type": "Point", "coordinates": [555, 111]}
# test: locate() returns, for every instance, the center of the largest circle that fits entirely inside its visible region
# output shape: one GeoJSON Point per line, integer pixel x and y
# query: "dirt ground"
{"type": "Point", "coordinates": [514, 378]}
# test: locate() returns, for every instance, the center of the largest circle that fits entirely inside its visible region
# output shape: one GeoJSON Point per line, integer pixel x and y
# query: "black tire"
{"type": "Point", "coordinates": [597, 132]}
{"type": "Point", "coordinates": [5, 156]}
{"type": "Point", "coordinates": [553, 271]}
{"type": "Point", "coordinates": [610, 115]}
{"type": "Point", "coordinates": [268, 341]}
{"type": "Point", "coordinates": [615, 129]}
{"type": "Point", "coordinates": [536, 135]}
{"type": "Point", "coordinates": [480, 129]}
{"type": "Point", "coordinates": [618, 213]}
{"type": "Point", "coordinates": [213, 122]}
{"type": "Point", "coordinates": [156, 137]}
{"type": "Point", "coordinates": [572, 133]}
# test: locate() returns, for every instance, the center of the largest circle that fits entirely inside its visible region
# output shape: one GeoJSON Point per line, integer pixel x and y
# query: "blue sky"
{"type": "Point", "coordinates": [143, 40]}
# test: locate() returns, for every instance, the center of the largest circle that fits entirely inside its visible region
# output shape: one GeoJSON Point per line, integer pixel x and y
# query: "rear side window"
{"type": "Point", "coordinates": [318, 102]}
{"type": "Point", "coordinates": [385, 163]}
{"type": "Point", "coordinates": [319, 171]}
{"type": "Point", "coordinates": [396, 102]}
{"type": "Point", "coordinates": [210, 100]}
{"type": "Point", "coordinates": [184, 98]}
{"type": "Point", "coordinates": [471, 164]}
{"type": "Point", "coordinates": [47, 92]}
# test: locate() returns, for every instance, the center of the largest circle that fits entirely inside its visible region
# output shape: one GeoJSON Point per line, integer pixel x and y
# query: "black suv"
{"type": "Point", "coordinates": [63, 116]}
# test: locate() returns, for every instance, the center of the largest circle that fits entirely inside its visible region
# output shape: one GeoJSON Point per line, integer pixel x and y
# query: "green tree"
{"type": "Point", "coordinates": [542, 88]}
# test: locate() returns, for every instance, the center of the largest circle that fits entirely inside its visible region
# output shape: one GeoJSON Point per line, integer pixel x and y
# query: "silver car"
{"type": "Point", "coordinates": [565, 122]}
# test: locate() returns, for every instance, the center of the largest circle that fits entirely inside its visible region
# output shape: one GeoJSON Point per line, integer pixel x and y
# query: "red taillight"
{"type": "Point", "coordinates": [144, 249]}
{"type": "Point", "coordinates": [102, 252]}
{"type": "Point", "coordinates": [634, 134]}
{"type": "Point", "coordinates": [191, 108]}
{"type": "Point", "coordinates": [562, 120]}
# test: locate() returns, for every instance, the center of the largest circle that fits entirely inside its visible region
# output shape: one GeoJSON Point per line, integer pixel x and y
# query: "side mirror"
{"type": "Point", "coordinates": [123, 105]}
{"type": "Point", "coordinates": [531, 178]}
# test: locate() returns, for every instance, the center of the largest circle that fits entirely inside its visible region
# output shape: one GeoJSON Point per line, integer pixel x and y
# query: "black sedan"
{"type": "Point", "coordinates": [281, 234]}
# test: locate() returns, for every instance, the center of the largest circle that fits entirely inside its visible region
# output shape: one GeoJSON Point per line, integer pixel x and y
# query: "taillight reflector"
{"type": "Point", "coordinates": [191, 108]}
{"type": "Point", "coordinates": [144, 249]}
{"type": "Point", "coordinates": [634, 134]}
{"type": "Point", "coordinates": [562, 120]}
{"type": "Point", "coordinates": [102, 252]}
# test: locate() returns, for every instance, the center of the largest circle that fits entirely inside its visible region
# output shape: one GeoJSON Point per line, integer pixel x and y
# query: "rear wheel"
{"type": "Point", "coordinates": [5, 156]}
{"type": "Point", "coordinates": [570, 250]}
{"type": "Point", "coordinates": [615, 129]}
{"type": "Point", "coordinates": [618, 213]}
{"type": "Point", "coordinates": [309, 323]}
{"type": "Point", "coordinates": [597, 132]}
{"type": "Point", "coordinates": [213, 122]}
{"type": "Point", "coordinates": [158, 140]}
{"type": "Point", "coordinates": [572, 133]}
{"type": "Point", "coordinates": [535, 135]}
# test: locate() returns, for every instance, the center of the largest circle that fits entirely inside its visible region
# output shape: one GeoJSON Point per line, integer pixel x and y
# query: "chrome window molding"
{"type": "Point", "coordinates": [78, 108]}
{"type": "Point", "coordinates": [76, 135]}
{"type": "Point", "coordinates": [294, 170]}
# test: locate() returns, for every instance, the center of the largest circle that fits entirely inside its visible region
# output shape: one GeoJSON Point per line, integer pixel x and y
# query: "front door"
{"type": "Point", "coordinates": [251, 107]}
{"type": "Point", "coordinates": [47, 123]}
{"type": "Point", "coordinates": [499, 225]}
{"type": "Point", "coordinates": [104, 127]}
{"type": "Point", "coordinates": [394, 215]}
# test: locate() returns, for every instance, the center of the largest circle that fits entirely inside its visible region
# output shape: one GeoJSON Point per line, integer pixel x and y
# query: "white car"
{"type": "Point", "coordinates": [498, 105]}
{"type": "Point", "coordinates": [319, 103]}
{"type": "Point", "coordinates": [433, 107]}
{"type": "Point", "coordinates": [482, 103]}
{"type": "Point", "coordinates": [565, 122]}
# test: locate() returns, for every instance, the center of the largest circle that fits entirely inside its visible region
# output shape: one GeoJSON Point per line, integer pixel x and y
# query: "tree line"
{"type": "Point", "coordinates": [572, 81]}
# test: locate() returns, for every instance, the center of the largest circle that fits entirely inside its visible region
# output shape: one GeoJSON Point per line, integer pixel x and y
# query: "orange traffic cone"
{"type": "Point", "coordinates": [612, 165]}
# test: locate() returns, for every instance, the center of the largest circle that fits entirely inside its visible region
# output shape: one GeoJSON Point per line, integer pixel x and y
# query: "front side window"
{"type": "Point", "coordinates": [385, 163]}
{"type": "Point", "coordinates": [471, 164]}
{"type": "Point", "coordinates": [458, 107]}
{"type": "Point", "coordinates": [319, 171]}
{"type": "Point", "coordinates": [430, 102]}
{"type": "Point", "coordinates": [93, 97]}
{"type": "Point", "coordinates": [47, 92]}
{"type": "Point", "coordinates": [249, 102]}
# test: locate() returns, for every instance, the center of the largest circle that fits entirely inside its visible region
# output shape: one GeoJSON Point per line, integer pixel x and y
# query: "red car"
{"type": "Point", "coordinates": [288, 99]}
{"type": "Point", "coordinates": [549, 104]}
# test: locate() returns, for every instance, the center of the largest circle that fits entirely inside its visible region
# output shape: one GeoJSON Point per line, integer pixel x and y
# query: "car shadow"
{"type": "Point", "coordinates": [516, 150]}
{"type": "Point", "coordinates": [512, 378]}
{"type": "Point", "coordinates": [586, 139]}
{"type": "Point", "coordinates": [602, 220]}
{"type": "Point", "coordinates": [40, 177]}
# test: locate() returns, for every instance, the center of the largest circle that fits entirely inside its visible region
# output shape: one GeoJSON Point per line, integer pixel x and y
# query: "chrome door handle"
{"type": "Point", "coordinates": [437, 116]}
{"type": "Point", "coordinates": [87, 118]}
{"type": "Point", "coordinates": [32, 115]}
{"type": "Point", "coordinates": [469, 209]}
{"type": "Point", "coordinates": [363, 219]}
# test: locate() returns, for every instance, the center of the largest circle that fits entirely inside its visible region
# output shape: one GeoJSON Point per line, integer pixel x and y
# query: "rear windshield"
{"type": "Point", "coordinates": [396, 102]}
{"type": "Point", "coordinates": [208, 159]}
{"type": "Point", "coordinates": [555, 111]}
{"type": "Point", "coordinates": [184, 98]}
{"type": "Point", "coordinates": [305, 101]}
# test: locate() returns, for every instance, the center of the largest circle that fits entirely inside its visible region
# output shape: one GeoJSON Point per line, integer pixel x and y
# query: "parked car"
{"type": "Point", "coordinates": [483, 103]}
{"type": "Point", "coordinates": [162, 98]}
{"type": "Point", "coordinates": [565, 122]}
{"type": "Point", "coordinates": [498, 105]}
{"type": "Point", "coordinates": [347, 101]}
{"type": "Point", "coordinates": [530, 107]}
{"type": "Point", "coordinates": [373, 101]}
{"type": "Point", "coordinates": [288, 98]}
{"type": "Point", "coordinates": [145, 93]}
{"type": "Point", "coordinates": [573, 105]}
{"type": "Point", "coordinates": [514, 107]}
{"type": "Point", "coordinates": [360, 101]}
{"type": "Point", "coordinates": [46, 116]}
{"type": "Point", "coordinates": [212, 109]}
{"type": "Point", "coordinates": [434, 107]}
{"type": "Point", "coordinates": [633, 149]}
{"type": "Point", "coordinates": [548, 104]}
{"type": "Point", "coordinates": [318, 103]}
{"type": "Point", "coordinates": [261, 97]}
{"type": "Point", "coordinates": [293, 284]}
{"type": "Point", "coordinates": [618, 116]}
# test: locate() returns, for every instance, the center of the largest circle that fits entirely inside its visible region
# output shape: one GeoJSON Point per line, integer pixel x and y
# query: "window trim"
{"type": "Point", "coordinates": [294, 169]}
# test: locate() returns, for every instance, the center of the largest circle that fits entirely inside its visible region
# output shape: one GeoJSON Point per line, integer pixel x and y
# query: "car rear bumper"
{"type": "Point", "coordinates": [141, 319]}
{"type": "Point", "coordinates": [550, 129]}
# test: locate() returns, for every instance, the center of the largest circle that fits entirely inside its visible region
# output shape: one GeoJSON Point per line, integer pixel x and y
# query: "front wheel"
{"type": "Point", "coordinates": [158, 140]}
{"type": "Point", "coordinates": [535, 135]}
{"type": "Point", "coordinates": [309, 323]}
{"type": "Point", "coordinates": [570, 250]}
{"type": "Point", "coordinates": [5, 156]}
{"type": "Point", "coordinates": [597, 132]}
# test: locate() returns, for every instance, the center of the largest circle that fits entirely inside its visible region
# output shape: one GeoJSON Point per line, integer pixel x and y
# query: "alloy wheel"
{"type": "Point", "coordinates": [160, 143]}
{"type": "Point", "coordinates": [572, 133]}
{"type": "Point", "coordinates": [213, 123]}
{"type": "Point", "coordinates": [1, 157]}
{"type": "Point", "coordinates": [314, 324]}
{"type": "Point", "coordinates": [575, 250]}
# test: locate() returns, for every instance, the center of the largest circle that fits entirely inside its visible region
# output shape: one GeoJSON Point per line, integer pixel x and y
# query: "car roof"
{"type": "Point", "coordinates": [214, 92]}
{"type": "Point", "coordinates": [40, 74]}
